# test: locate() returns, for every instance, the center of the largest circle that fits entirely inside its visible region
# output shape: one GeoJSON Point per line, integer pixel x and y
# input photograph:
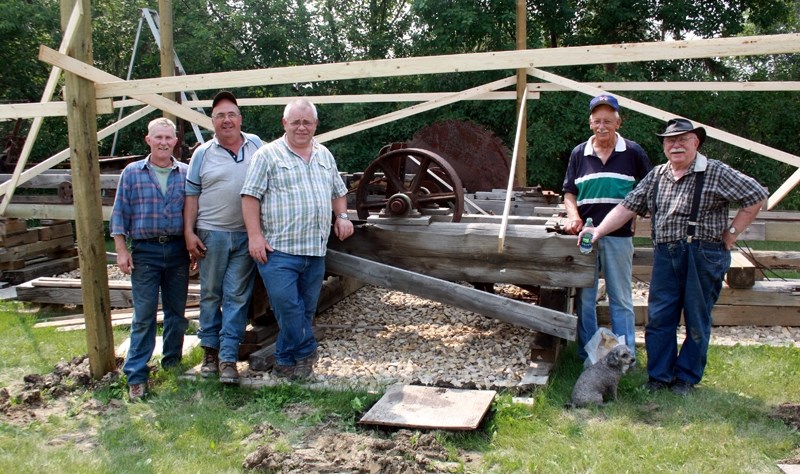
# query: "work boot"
{"type": "Point", "coordinates": [305, 367]}
{"type": "Point", "coordinates": [228, 373]}
{"type": "Point", "coordinates": [210, 365]}
{"type": "Point", "coordinates": [136, 391]}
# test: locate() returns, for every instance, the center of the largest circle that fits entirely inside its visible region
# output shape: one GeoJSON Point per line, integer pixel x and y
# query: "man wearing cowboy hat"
{"type": "Point", "coordinates": [692, 254]}
{"type": "Point", "coordinates": [600, 173]}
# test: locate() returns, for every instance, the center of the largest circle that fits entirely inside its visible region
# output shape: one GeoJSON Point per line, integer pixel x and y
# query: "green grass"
{"type": "Point", "coordinates": [188, 426]}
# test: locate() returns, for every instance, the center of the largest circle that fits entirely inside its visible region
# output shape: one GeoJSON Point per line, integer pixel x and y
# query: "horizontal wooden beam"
{"type": "Point", "coordinates": [91, 73]}
{"type": "Point", "coordinates": [47, 109]}
{"type": "Point", "coordinates": [504, 309]}
{"type": "Point", "coordinates": [64, 154]}
{"type": "Point", "coordinates": [456, 63]}
{"type": "Point", "coordinates": [468, 252]}
{"type": "Point", "coordinates": [534, 88]}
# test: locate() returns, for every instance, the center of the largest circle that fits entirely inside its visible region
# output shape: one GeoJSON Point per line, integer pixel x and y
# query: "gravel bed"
{"type": "Point", "coordinates": [376, 337]}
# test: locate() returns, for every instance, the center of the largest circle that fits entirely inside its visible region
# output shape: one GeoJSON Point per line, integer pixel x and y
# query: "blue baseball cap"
{"type": "Point", "coordinates": [608, 100]}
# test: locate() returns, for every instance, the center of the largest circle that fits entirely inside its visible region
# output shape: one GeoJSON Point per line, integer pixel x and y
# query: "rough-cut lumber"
{"type": "Point", "coordinates": [119, 298]}
{"type": "Point", "coordinates": [763, 293]}
{"type": "Point", "coordinates": [505, 309]}
{"type": "Point", "coordinates": [21, 252]}
{"type": "Point", "coordinates": [729, 315]}
{"type": "Point", "coordinates": [468, 252]}
{"type": "Point", "coordinates": [47, 267]}
{"type": "Point", "coordinates": [742, 273]}
{"type": "Point", "coordinates": [775, 259]}
{"type": "Point", "coordinates": [28, 237]}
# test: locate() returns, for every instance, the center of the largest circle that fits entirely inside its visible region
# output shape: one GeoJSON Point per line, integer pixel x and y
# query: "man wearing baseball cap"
{"type": "Point", "coordinates": [601, 171]}
{"type": "Point", "coordinates": [688, 199]}
{"type": "Point", "coordinates": [217, 238]}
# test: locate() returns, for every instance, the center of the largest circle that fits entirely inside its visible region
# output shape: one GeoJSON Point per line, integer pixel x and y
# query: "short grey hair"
{"type": "Point", "coordinates": [299, 103]}
{"type": "Point", "coordinates": [160, 122]}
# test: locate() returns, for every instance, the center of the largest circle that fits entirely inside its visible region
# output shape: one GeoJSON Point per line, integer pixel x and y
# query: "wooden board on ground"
{"type": "Point", "coordinates": [68, 291]}
{"type": "Point", "coordinates": [415, 406]}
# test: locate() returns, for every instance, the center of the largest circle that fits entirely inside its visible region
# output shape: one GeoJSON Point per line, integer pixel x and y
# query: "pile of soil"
{"type": "Point", "coordinates": [55, 393]}
{"type": "Point", "coordinates": [328, 450]}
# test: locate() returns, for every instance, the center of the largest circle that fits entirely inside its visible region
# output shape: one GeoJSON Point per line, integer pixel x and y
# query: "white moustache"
{"type": "Point", "coordinates": [678, 150]}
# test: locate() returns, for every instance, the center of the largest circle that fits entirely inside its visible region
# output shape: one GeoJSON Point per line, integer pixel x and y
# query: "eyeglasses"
{"type": "Point", "coordinates": [304, 123]}
{"type": "Point", "coordinates": [680, 140]}
{"type": "Point", "coordinates": [598, 122]}
{"type": "Point", "coordinates": [221, 116]}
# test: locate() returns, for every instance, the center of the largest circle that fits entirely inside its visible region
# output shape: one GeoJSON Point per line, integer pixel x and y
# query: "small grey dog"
{"type": "Point", "coordinates": [602, 378]}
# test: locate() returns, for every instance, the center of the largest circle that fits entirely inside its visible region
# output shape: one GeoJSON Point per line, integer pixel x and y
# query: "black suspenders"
{"type": "Point", "coordinates": [698, 190]}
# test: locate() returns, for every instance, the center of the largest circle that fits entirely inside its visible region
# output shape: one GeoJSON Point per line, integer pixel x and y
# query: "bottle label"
{"type": "Point", "coordinates": [586, 243]}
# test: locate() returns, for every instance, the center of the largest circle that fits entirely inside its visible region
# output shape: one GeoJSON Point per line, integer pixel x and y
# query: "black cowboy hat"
{"type": "Point", "coordinates": [679, 126]}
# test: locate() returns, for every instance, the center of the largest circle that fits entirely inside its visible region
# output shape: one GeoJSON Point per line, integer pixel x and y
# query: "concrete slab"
{"type": "Point", "coordinates": [416, 406]}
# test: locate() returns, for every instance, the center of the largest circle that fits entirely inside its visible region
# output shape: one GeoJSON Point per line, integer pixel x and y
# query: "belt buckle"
{"type": "Point", "coordinates": [163, 239]}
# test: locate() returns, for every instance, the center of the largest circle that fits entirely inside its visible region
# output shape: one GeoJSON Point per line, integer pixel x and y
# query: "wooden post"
{"type": "Point", "coordinates": [514, 164]}
{"type": "Point", "coordinates": [167, 46]}
{"type": "Point", "coordinates": [82, 124]}
{"type": "Point", "coordinates": [521, 172]}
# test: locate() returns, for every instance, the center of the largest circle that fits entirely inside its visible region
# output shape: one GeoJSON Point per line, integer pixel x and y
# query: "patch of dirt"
{"type": "Point", "coordinates": [57, 393]}
{"type": "Point", "coordinates": [327, 449]}
{"type": "Point", "coordinates": [788, 413]}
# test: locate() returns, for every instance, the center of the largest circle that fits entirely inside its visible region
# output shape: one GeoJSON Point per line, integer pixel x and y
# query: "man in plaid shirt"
{"type": "Point", "coordinates": [691, 255]}
{"type": "Point", "coordinates": [148, 211]}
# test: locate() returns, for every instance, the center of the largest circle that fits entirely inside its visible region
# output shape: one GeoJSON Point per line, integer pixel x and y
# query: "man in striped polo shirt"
{"type": "Point", "coordinates": [601, 171]}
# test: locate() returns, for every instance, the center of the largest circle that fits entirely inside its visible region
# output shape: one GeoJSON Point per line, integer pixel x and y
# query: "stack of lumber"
{"type": "Point", "coordinates": [67, 291]}
{"type": "Point", "coordinates": [30, 252]}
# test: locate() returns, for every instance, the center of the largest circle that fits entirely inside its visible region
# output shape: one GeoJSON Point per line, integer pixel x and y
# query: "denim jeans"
{"type": "Point", "coordinates": [165, 267]}
{"type": "Point", "coordinates": [615, 259]}
{"type": "Point", "coordinates": [687, 279]}
{"type": "Point", "coordinates": [293, 284]}
{"type": "Point", "coordinates": [227, 274]}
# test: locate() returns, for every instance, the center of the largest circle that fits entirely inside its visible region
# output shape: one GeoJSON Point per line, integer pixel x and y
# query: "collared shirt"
{"type": "Point", "coordinates": [723, 185]}
{"type": "Point", "coordinates": [216, 175]}
{"type": "Point", "coordinates": [295, 196]}
{"type": "Point", "coordinates": [141, 210]}
{"type": "Point", "coordinates": [599, 186]}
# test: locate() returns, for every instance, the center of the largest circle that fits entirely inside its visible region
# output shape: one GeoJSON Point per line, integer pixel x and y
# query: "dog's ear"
{"type": "Point", "coordinates": [612, 359]}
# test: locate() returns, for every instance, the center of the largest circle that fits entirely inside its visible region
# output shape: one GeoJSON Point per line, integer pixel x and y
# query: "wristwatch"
{"type": "Point", "coordinates": [732, 230]}
{"type": "Point", "coordinates": [343, 216]}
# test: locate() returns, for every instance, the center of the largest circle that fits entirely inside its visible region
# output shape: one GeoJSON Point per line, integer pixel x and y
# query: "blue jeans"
{"type": "Point", "coordinates": [687, 279]}
{"type": "Point", "coordinates": [293, 284]}
{"type": "Point", "coordinates": [164, 266]}
{"type": "Point", "coordinates": [615, 259]}
{"type": "Point", "coordinates": [227, 274]}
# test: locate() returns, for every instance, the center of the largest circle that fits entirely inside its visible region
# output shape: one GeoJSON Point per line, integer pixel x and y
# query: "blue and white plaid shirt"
{"type": "Point", "coordinates": [141, 210]}
{"type": "Point", "coordinates": [295, 196]}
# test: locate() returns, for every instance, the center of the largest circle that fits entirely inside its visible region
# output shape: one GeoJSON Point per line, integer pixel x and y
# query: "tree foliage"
{"type": "Point", "coordinates": [226, 35]}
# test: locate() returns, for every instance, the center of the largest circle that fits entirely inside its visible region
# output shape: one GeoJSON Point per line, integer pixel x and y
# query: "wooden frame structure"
{"type": "Point", "coordinates": [145, 91]}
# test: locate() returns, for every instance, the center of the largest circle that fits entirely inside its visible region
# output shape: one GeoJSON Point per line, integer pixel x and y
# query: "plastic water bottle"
{"type": "Point", "coordinates": [586, 240]}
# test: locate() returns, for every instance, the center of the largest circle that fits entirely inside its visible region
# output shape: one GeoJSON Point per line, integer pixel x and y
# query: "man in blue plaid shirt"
{"type": "Point", "coordinates": [148, 212]}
